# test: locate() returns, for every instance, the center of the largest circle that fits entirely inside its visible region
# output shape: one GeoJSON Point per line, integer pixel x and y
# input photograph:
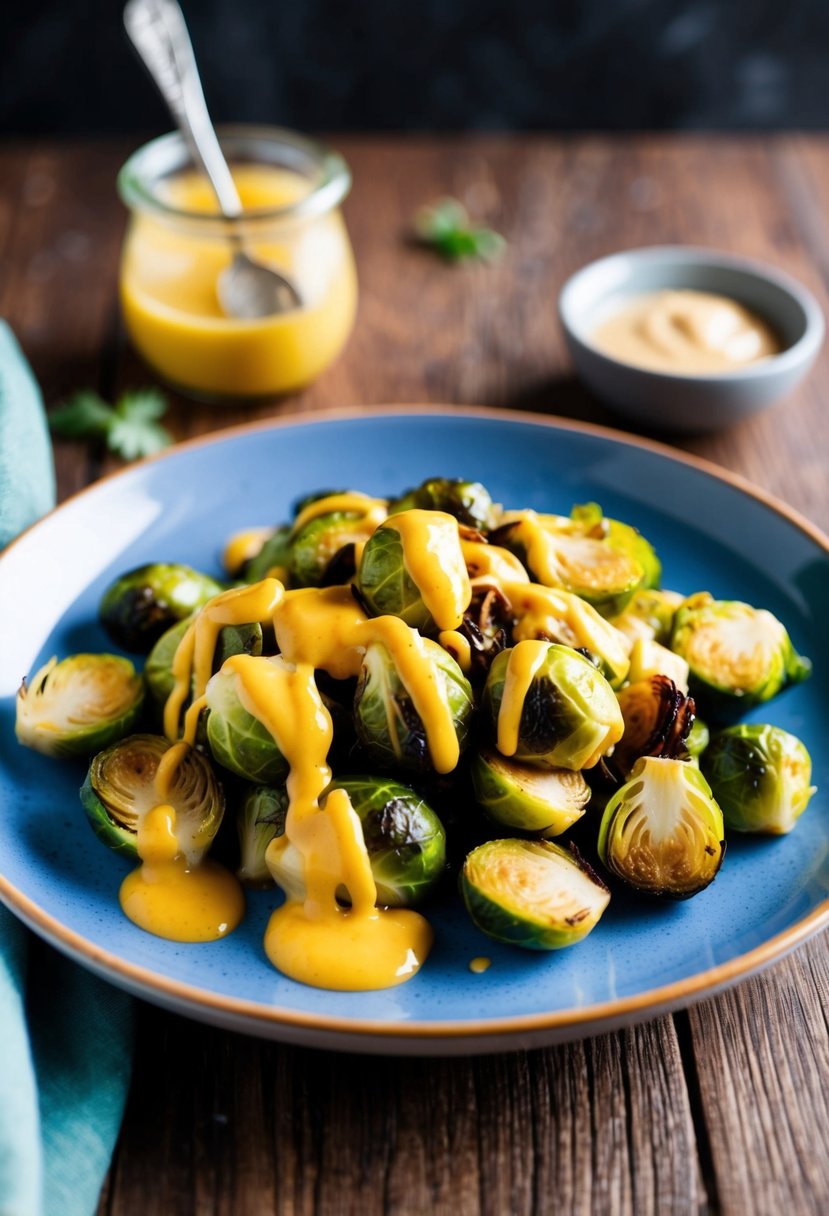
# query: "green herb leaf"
{"type": "Point", "coordinates": [445, 228]}
{"type": "Point", "coordinates": [130, 429]}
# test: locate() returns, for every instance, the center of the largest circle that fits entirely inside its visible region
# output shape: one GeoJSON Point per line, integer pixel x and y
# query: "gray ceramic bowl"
{"type": "Point", "coordinates": [675, 402]}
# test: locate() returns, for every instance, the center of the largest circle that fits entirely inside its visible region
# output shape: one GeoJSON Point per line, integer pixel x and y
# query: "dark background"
{"type": "Point", "coordinates": [65, 67]}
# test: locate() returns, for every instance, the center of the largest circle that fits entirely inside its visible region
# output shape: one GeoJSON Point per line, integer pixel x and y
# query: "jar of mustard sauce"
{"type": "Point", "coordinates": [177, 244]}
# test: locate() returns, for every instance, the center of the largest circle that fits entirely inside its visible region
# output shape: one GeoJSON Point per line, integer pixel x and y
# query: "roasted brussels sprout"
{"type": "Point", "coordinates": [236, 739]}
{"type": "Point", "coordinates": [662, 832]}
{"type": "Point", "coordinates": [260, 816]}
{"type": "Point", "coordinates": [468, 501]}
{"type": "Point", "coordinates": [649, 658]}
{"type": "Point", "coordinates": [158, 669]}
{"type": "Point", "coordinates": [315, 545]}
{"type": "Point", "coordinates": [391, 585]}
{"type": "Point", "coordinates": [273, 558]}
{"type": "Point", "coordinates": [139, 606]}
{"type": "Point", "coordinates": [622, 537]}
{"type": "Point", "coordinates": [761, 776]}
{"type": "Point", "coordinates": [546, 801]}
{"type": "Point", "coordinates": [531, 893]}
{"type": "Point", "coordinates": [649, 614]}
{"type": "Point", "coordinates": [404, 838]}
{"type": "Point", "coordinates": [738, 656]}
{"type": "Point", "coordinates": [554, 615]}
{"type": "Point", "coordinates": [388, 725]}
{"type": "Point", "coordinates": [77, 706]}
{"type": "Point", "coordinates": [658, 719]}
{"type": "Point", "coordinates": [569, 716]}
{"type": "Point", "coordinates": [120, 788]}
{"type": "Point", "coordinates": [698, 739]}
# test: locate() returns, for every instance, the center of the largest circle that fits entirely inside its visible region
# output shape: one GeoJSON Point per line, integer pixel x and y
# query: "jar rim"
{"type": "Point", "coordinates": [168, 154]}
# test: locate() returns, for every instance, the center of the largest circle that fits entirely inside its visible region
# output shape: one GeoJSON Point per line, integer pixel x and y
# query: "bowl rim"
{"type": "Point", "coordinates": [798, 355]}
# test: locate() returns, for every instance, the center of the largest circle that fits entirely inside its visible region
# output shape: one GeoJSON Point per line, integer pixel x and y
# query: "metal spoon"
{"type": "Point", "coordinates": [158, 31]}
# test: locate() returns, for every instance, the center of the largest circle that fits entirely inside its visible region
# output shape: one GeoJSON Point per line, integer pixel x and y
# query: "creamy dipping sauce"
{"type": "Point", "coordinates": [686, 332]}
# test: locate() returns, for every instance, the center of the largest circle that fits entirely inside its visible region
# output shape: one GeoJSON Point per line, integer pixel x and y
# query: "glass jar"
{"type": "Point", "coordinates": [177, 245]}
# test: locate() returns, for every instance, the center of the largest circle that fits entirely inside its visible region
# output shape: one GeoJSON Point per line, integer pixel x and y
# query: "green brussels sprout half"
{"type": "Point", "coordinates": [650, 614]}
{"type": "Point", "coordinates": [260, 817]}
{"type": "Point", "coordinates": [761, 776]}
{"type": "Point", "coordinates": [568, 619]}
{"type": "Point", "coordinates": [662, 832]}
{"type": "Point", "coordinates": [141, 605]}
{"type": "Point", "coordinates": [570, 716]}
{"type": "Point", "coordinates": [698, 739]}
{"type": "Point", "coordinates": [738, 656]}
{"type": "Point", "coordinates": [384, 582]}
{"type": "Point", "coordinates": [387, 723]}
{"type": "Point", "coordinates": [315, 546]}
{"type": "Point", "coordinates": [77, 706]}
{"type": "Point", "coordinates": [469, 501]}
{"type": "Point", "coordinates": [158, 669]}
{"type": "Point", "coordinates": [624, 538]}
{"type": "Point", "coordinates": [237, 740]}
{"type": "Point", "coordinates": [405, 840]}
{"type": "Point", "coordinates": [120, 788]}
{"type": "Point", "coordinates": [531, 893]}
{"type": "Point", "coordinates": [546, 801]}
{"type": "Point", "coordinates": [275, 554]}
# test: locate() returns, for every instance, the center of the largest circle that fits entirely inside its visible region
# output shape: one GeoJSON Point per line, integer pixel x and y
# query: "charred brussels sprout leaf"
{"type": "Point", "coordinates": [738, 656]}
{"type": "Point", "coordinates": [260, 817]}
{"type": "Point", "coordinates": [531, 893]}
{"type": "Point", "coordinates": [468, 501]}
{"type": "Point", "coordinates": [662, 832]}
{"type": "Point", "coordinates": [569, 717]}
{"type": "Point", "coordinates": [139, 606]}
{"type": "Point", "coordinates": [120, 788]}
{"type": "Point", "coordinates": [388, 725]}
{"type": "Point", "coordinates": [761, 776]}
{"type": "Point", "coordinates": [77, 706]}
{"type": "Point", "coordinates": [158, 669]}
{"type": "Point", "coordinates": [658, 719]}
{"type": "Point", "coordinates": [275, 555]}
{"type": "Point", "coordinates": [315, 546]}
{"type": "Point", "coordinates": [404, 838]}
{"type": "Point", "coordinates": [546, 801]}
{"type": "Point", "coordinates": [236, 739]}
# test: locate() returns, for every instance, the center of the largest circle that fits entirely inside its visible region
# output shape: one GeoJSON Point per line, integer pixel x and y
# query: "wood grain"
{"type": "Point", "coordinates": [721, 1109]}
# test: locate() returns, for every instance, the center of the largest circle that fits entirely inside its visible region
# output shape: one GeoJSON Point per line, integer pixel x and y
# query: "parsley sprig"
{"type": "Point", "coordinates": [130, 428]}
{"type": "Point", "coordinates": [445, 227]}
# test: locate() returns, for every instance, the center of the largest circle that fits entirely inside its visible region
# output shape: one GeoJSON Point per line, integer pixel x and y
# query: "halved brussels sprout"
{"type": "Point", "coordinates": [77, 706]}
{"type": "Point", "coordinates": [387, 723]}
{"type": "Point", "coordinates": [569, 717]}
{"type": "Point", "coordinates": [141, 605]}
{"type": "Point", "coordinates": [575, 555]}
{"type": "Point", "coordinates": [658, 719]}
{"type": "Point", "coordinates": [120, 788]}
{"type": "Point", "coordinates": [275, 555]}
{"type": "Point", "coordinates": [649, 658]}
{"type": "Point", "coordinates": [649, 614]}
{"type": "Point", "coordinates": [623, 537]}
{"type": "Point", "coordinates": [404, 838]}
{"type": "Point", "coordinates": [236, 739]}
{"type": "Point", "coordinates": [260, 816]}
{"type": "Point", "coordinates": [662, 832]}
{"type": "Point", "coordinates": [761, 776]}
{"type": "Point", "coordinates": [546, 801]}
{"type": "Point", "coordinates": [158, 669]}
{"type": "Point", "coordinates": [738, 656]}
{"type": "Point", "coordinates": [388, 582]}
{"type": "Point", "coordinates": [315, 546]}
{"type": "Point", "coordinates": [468, 501]}
{"type": "Point", "coordinates": [555, 615]}
{"type": "Point", "coordinates": [531, 893]}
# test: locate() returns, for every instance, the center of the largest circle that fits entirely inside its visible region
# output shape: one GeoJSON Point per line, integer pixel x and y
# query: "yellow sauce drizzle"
{"type": "Point", "coordinates": [524, 661]}
{"type": "Point", "coordinates": [243, 546]}
{"type": "Point", "coordinates": [479, 965]}
{"type": "Point", "coordinates": [492, 562]}
{"type": "Point", "coordinates": [374, 510]}
{"type": "Point", "coordinates": [555, 556]}
{"type": "Point", "coordinates": [458, 646]}
{"type": "Point", "coordinates": [435, 562]}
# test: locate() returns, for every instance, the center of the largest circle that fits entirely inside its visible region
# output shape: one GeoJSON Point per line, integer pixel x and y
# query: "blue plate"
{"type": "Point", "coordinates": [712, 533]}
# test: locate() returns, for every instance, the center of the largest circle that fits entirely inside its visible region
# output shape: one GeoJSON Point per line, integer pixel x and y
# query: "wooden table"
{"type": "Point", "coordinates": [724, 1108]}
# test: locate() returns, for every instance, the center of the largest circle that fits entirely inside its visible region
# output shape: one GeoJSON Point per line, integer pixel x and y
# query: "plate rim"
{"type": "Point", "coordinates": [652, 1001]}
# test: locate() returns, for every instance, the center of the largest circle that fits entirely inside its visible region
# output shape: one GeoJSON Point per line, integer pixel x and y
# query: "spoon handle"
{"type": "Point", "coordinates": [158, 31]}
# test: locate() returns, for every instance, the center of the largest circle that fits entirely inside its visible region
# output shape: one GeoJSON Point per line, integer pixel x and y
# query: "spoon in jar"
{"type": "Point", "coordinates": [246, 289]}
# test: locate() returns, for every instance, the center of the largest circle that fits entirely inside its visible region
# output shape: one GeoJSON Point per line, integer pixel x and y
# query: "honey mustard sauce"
{"type": "Point", "coordinates": [433, 558]}
{"type": "Point", "coordinates": [687, 332]}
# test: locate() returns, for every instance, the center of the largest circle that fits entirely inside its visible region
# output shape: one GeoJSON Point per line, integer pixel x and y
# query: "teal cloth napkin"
{"type": "Point", "coordinates": [65, 1036]}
